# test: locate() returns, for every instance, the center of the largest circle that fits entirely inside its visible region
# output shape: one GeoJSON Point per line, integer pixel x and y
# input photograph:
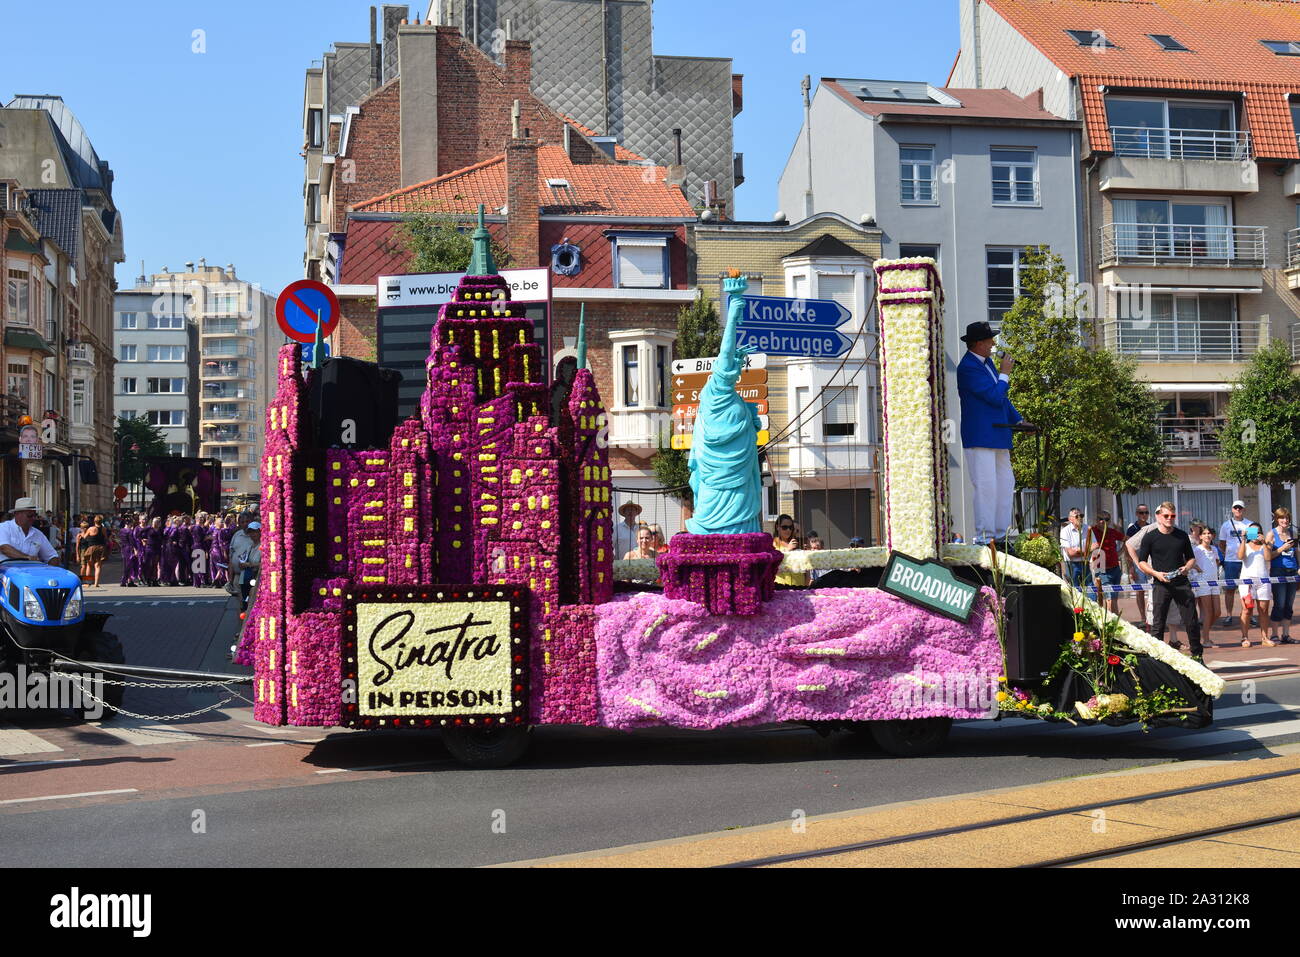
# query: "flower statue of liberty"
{"type": "Point", "coordinates": [726, 481]}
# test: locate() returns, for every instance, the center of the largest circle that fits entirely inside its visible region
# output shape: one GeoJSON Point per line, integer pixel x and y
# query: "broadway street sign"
{"type": "Point", "coordinates": [929, 585]}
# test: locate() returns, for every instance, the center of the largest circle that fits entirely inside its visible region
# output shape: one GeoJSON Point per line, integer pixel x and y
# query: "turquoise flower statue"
{"type": "Point", "coordinates": [725, 477]}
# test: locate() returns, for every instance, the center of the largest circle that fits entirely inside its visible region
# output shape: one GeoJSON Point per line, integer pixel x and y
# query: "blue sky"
{"type": "Point", "coordinates": [205, 145]}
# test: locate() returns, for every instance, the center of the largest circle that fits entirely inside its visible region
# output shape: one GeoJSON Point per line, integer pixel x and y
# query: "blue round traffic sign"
{"type": "Point", "coordinates": [302, 306]}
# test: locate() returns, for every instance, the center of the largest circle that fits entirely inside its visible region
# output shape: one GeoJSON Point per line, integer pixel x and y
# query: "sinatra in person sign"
{"type": "Point", "coordinates": [437, 652]}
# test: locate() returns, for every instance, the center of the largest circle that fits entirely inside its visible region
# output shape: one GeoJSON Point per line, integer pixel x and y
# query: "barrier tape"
{"type": "Point", "coordinates": [1277, 580]}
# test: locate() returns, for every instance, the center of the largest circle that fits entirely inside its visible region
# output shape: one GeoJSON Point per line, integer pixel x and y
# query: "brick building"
{"type": "Point", "coordinates": [58, 303]}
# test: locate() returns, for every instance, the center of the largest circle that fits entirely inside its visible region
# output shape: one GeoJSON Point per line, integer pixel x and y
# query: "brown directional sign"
{"type": "Point", "coordinates": [697, 381]}
{"type": "Point", "coordinates": [690, 409]}
{"type": "Point", "coordinates": [750, 393]}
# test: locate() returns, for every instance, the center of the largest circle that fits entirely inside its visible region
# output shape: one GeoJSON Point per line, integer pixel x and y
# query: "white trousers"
{"type": "Point", "coordinates": [994, 486]}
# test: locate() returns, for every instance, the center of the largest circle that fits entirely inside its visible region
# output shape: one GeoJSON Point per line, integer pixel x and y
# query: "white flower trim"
{"type": "Point", "coordinates": [636, 570]}
{"type": "Point", "coordinates": [1130, 635]}
{"type": "Point", "coordinates": [912, 488]}
{"type": "Point", "coordinates": [828, 559]}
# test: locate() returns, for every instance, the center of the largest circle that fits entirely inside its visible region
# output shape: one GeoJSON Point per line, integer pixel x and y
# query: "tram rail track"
{"type": "Point", "coordinates": [1033, 816]}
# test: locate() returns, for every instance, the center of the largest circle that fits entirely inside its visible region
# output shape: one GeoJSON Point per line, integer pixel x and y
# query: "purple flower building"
{"type": "Point", "coordinates": [481, 489]}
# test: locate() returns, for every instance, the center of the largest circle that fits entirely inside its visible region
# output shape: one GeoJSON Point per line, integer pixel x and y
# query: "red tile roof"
{"type": "Point", "coordinates": [1224, 54]}
{"type": "Point", "coordinates": [993, 104]}
{"type": "Point", "coordinates": [373, 249]}
{"type": "Point", "coordinates": [598, 189]}
{"type": "Point", "coordinates": [621, 152]}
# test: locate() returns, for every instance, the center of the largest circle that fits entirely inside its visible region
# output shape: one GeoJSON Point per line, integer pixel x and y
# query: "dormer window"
{"type": "Point", "coordinates": [1090, 38]}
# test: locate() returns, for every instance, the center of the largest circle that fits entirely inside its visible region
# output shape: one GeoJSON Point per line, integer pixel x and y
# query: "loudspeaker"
{"type": "Point", "coordinates": [89, 471]}
{"type": "Point", "coordinates": [1038, 623]}
{"type": "Point", "coordinates": [354, 404]}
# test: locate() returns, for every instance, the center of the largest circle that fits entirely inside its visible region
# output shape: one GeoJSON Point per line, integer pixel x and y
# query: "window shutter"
{"type": "Point", "coordinates": [839, 289]}
{"type": "Point", "coordinates": [641, 263]}
{"type": "Point", "coordinates": [840, 414]}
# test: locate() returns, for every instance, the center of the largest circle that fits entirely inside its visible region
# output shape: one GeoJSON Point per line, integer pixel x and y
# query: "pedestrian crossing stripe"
{"type": "Point", "coordinates": [17, 741]}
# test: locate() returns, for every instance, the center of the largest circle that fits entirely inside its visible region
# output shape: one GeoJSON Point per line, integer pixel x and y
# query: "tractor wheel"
{"type": "Point", "coordinates": [106, 647]}
{"type": "Point", "coordinates": [477, 747]}
{"type": "Point", "coordinates": [911, 738]}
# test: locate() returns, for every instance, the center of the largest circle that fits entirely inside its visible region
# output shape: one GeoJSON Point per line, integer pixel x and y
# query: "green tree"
{"type": "Point", "coordinates": [699, 336]}
{"type": "Point", "coordinates": [1136, 458]}
{"type": "Point", "coordinates": [1096, 418]}
{"type": "Point", "coordinates": [440, 242]}
{"type": "Point", "coordinates": [1259, 437]}
{"type": "Point", "coordinates": [148, 437]}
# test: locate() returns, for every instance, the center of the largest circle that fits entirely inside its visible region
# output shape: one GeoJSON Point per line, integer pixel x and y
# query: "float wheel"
{"type": "Point", "coordinates": [479, 747]}
{"type": "Point", "coordinates": [912, 738]}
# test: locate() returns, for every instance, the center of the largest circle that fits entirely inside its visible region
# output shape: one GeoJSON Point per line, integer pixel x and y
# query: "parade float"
{"type": "Point", "coordinates": [462, 576]}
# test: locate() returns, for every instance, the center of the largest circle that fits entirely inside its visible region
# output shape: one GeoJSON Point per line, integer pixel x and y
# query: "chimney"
{"type": "Point", "coordinates": [522, 227]}
{"type": "Point", "coordinates": [417, 64]}
{"type": "Point", "coordinates": [519, 64]}
{"type": "Point", "coordinates": [675, 174]}
{"type": "Point", "coordinates": [376, 69]}
{"type": "Point", "coordinates": [1035, 99]}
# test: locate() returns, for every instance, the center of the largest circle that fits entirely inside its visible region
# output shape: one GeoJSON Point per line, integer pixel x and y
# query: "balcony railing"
{"type": "Point", "coordinates": [1179, 340]}
{"type": "Point", "coordinates": [1293, 249]}
{"type": "Point", "coordinates": [243, 352]}
{"type": "Point", "coordinates": [1191, 438]}
{"type": "Point", "coordinates": [231, 460]}
{"type": "Point", "coordinates": [226, 415]}
{"type": "Point", "coordinates": [1179, 144]}
{"type": "Point", "coordinates": [80, 353]}
{"type": "Point", "coordinates": [226, 370]}
{"type": "Point", "coordinates": [228, 395]}
{"type": "Point", "coordinates": [1160, 244]}
{"type": "Point", "coordinates": [226, 435]}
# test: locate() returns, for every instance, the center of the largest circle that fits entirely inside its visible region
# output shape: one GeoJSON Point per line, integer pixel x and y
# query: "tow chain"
{"type": "Point", "coordinates": [82, 679]}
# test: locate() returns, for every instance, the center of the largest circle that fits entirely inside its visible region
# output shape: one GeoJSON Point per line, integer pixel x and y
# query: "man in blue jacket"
{"type": "Point", "coordinates": [986, 413]}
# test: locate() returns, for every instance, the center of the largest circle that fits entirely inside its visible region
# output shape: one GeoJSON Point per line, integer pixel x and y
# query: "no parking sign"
{"type": "Point", "coordinates": [303, 306]}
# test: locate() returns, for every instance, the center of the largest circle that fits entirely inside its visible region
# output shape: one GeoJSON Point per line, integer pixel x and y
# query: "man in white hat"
{"type": "Point", "coordinates": [21, 541]}
{"type": "Point", "coordinates": [625, 531]}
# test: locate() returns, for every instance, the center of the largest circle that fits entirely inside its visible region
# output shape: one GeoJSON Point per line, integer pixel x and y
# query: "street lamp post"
{"type": "Point", "coordinates": [121, 456]}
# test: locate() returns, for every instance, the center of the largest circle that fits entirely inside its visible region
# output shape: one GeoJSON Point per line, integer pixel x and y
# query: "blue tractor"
{"type": "Point", "coordinates": [44, 626]}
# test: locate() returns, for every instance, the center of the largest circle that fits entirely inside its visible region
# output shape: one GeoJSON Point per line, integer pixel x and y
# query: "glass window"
{"type": "Point", "coordinates": [916, 174]}
{"type": "Point", "coordinates": [906, 251]}
{"type": "Point", "coordinates": [166, 353]}
{"type": "Point", "coordinates": [166, 322]}
{"type": "Point", "coordinates": [230, 475]}
{"type": "Point", "coordinates": [19, 385]}
{"type": "Point", "coordinates": [166, 416]}
{"type": "Point", "coordinates": [631, 377]}
{"type": "Point", "coordinates": [173, 386]}
{"type": "Point", "coordinates": [840, 414]}
{"type": "Point", "coordinates": [1004, 267]}
{"type": "Point", "coordinates": [127, 320]}
{"type": "Point", "coordinates": [315, 133]}
{"type": "Point", "coordinates": [1090, 38]}
{"type": "Point", "coordinates": [177, 448]}
{"type": "Point", "coordinates": [1166, 42]}
{"type": "Point", "coordinates": [18, 295]}
{"type": "Point", "coordinates": [1283, 47]}
{"type": "Point", "coordinates": [661, 376]}
{"type": "Point", "coordinates": [80, 402]}
{"type": "Point", "coordinates": [1015, 176]}
{"type": "Point", "coordinates": [126, 353]}
{"type": "Point", "coordinates": [128, 386]}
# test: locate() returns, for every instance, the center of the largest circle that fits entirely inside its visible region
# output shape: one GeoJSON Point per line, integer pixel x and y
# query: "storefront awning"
{"type": "Point", "coordinates": [27, 339]}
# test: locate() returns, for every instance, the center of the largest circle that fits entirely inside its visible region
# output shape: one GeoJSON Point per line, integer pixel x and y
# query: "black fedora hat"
{"type": "Point", "coordinates": [978, 332]}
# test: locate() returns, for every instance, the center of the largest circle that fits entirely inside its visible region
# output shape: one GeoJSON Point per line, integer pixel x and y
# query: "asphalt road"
{"type": "Point", "coordinates": [219, 789]}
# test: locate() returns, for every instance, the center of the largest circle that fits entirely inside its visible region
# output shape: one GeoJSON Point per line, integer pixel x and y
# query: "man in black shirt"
{"type": "Point", "coordinates": [1166, 555]}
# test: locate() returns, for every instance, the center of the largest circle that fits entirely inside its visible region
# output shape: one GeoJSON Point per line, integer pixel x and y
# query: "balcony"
{"type": "Point", "coordinates": [216, 414]}
{"type": "Point", "coordinates": [226, 370]}
{"type": "Point", "coordinates": [220, 327]}
{"type": "Point", "coordinates": [1293, 258]}
{"type": "Point", "coordinates": [640, 431]}
{"type": "Point", "coordinates": [82, 353]}
{"type": "Point", "coordinates": [228, 392]}
{"type": "Point", "coordinates": [232, 461]}
{"type": "Point", "coordinates": [226, 435]}
{"type": "Point", "coordinates": [1192, 438]}
{"type": "Point", "coordinates": [223, 351]}
{"type": "Point", "coordinates": [1161, 254]}
{"type": "Point", "coordinates": [1179, 340]}
{"type": "Point", "coordinates": [1180, 160]}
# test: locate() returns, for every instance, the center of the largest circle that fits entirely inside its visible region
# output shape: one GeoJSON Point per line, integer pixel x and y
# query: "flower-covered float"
{"type": "Point", "coordinates": [462, 577]}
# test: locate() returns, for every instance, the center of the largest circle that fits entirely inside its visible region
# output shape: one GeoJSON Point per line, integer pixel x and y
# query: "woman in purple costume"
{"type": "Point", "coordinates": [201, 542]}
{"type": "Point", "coordinates": [220, 555]}
{"type": "Point", "coordinates": [153, 538]}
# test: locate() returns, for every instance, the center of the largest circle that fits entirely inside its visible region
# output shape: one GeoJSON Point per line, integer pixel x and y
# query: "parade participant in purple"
{"type": "Point", "coordinates": [151, 554]}
{"type": "Point", "coordinates": [140, 534]}
{"type": "Point", "coordinates": [219, 555]}
{"type": "Point", "coordinates": [986, 414]}
{"type": "Point", "coordinates": [200, 549]}
{"type": "Point", "coordinates": [126, 543]}
{"type": "Point", "coordinates": [170, 556]}
{"type": "Point", "coordinates": [184, 576]}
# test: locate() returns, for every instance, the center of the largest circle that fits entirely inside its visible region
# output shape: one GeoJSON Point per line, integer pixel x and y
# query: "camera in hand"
{"type": "Point", "coordinates": [1175, 575]}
